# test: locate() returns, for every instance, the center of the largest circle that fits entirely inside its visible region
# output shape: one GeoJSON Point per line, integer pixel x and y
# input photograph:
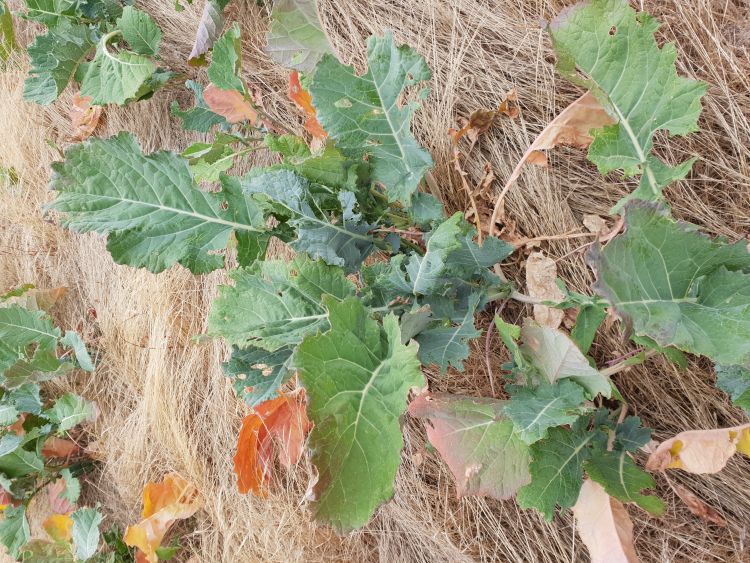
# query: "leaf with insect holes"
{"type": "Point", "coordinates": [172, 499]}
{"type": "Point", "coordinates": [140, 31]}
{"type": "Point", "coordinates": [604, 526]}
{"type": "Point", "coordinates": [677, 286]}
{"type": "Point", "coordinates": [636, 81]}
{"type": "Point", "coordinates": [735, 382]}
{"type": "Point", "coordinates": [476, 441]}
{"type": "Point", "coordinates": [226, 61]}
{"type": "Point", "coordinates": [258, 374]}
{"type": "Point", "coordinates": [623, 479]}
{"type": "Point", "coordinates": [357, 376]}
{"type": "Point", "coordinates": [296, 39]}
{"type": "Point", "coordinates": [55, 58]}
{"type": "Point", "coordinates": [158, 217]}
{"type": "Point", "coordinates": [281, 421]}
{"type": "Point", "coordinates": [199, 118]}
{"type": "Point", "coordinates": [362, 113]}
{"type": "Point", "coordinates": [535, 410]}
{"type": "Point", "coordinates": [209, 28]}
{"type": "Point", "coordinates": [275, 304]}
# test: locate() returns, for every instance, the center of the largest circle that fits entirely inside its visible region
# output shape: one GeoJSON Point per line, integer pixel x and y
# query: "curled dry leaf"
{"type": "Point", "coordinates": [282, 420]}
{"type": "Point", "coordinates": [84, 117]}
{"type": "Point", "coordinates": [482, 119]}
{"type": "Point", "coordinates": [697, 506]}
{"type": "Point", "coordinates": [701, 451]}
{"type": "Point", "coordinates": [163, 503]}
{"type": "Point", "coordinates": [59, 527]}
{"type": "Point", "coordinates": [541, 275]}
{"type": "Point", "coordinates": [230, 104]}
{"type": "Point", "coordinates": [303, 99]}
{"type": "Point", "coordinates": [604, 525]}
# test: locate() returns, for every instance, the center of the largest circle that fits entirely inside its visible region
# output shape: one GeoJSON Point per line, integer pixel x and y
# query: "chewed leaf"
{"type": "Point", "coordinates": [635, 80]}
{"type": "Point", "coordinates": [296, 39]}
{"type": "Point", "coordinates": [362, 113]}
{"type": "Point", "coordinates": [476, 441]}
{"type": "Point", "coordinates": [701, 451]}
{"type": "Point", "coordinates": [258, 374]}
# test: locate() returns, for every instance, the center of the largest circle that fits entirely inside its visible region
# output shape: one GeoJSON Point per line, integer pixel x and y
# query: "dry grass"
{"type": "Point", "coordinates": [167, 407]}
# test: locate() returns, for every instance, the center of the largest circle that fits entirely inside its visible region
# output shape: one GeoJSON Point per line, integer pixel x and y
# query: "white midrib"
{"type": "Point", "coordinates": [638, 149]}
{"type": "Point", "coordinates": [541, 412]}
{"type": "Point", "coordinates": [565, 464]}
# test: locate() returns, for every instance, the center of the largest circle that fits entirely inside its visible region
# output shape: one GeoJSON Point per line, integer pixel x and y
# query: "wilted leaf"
{"type": "Point", "coordinates": [604, 526]}
{"type": "Point", "coordinates": [697, 506]}
{"type": "Point", "coordinates": [59, 527]}
{"type": "Point", "coordinates": [476, 441]}
{"type": "Point", "coordinates": [281, 421]}
{"type": "Point", "coordinates": [209, 28]}
{"type": "Point", "coordinates": [701, 451]}
{"type": "Point", "coordinates": [296, 39]}
{"type": "Point", "coordinates": [229, 104]}
{"type": "Point", "coordinates": [83, 117]}
{"type": "Point", "coordinates": [198, 118]}
{"type": "Point", "coordinates": [541, 278]}
{"type": "Point", "coordinates": [303, 99]}
{"type": "Point", "coordinates": [163, 503]}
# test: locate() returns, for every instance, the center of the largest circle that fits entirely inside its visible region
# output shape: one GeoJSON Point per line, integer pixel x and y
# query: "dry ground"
{"type": "Point", "coordinates": [165, 404]}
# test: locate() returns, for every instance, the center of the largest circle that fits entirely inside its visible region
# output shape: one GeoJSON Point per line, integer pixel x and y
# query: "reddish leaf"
{"type": "Point", "coordinates": [230, 104]}
{"type": "Point", "coordinates": [303, 99]}
{"type": "Point", "coordinates": [59, 447]}
{"type": "Point", "coordinates": [163, 503]}
{"type": "Point", "coordinates": [282, 420]}
{"type": "Point", "coordinates": [84, 117]}
{"type": "Point", "coordinates": [57, 503]}
{"type": "Point", "coordinates": [697, 506]}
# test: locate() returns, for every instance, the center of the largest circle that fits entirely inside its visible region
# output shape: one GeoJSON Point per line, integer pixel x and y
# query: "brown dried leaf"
{"type": "Point", "coordinates": [230, 104]}
{"type": "Point", "coordinates": [604, 525]}
{"type": "Point", "coordinates": [697, 506]}
{"type": "Point", "coordinates": [482, 119]}
{"type": "Point", "coordinates": [541, 274]}
{"type": "Point", "coordinates": [83, 117]}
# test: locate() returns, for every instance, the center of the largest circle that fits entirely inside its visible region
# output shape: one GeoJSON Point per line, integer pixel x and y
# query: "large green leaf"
{"type": "Point", "coordinates": [735, 382]}
{"type": "Point", "coordinates": [296, 39]}
{"type": "Point", "coordinates": [154, 212]}
{"type": "Point", "coordinates": [635, 80]}
{"type": "Point", "coordinates": [19, 329]}
{"type": "Point", "coordinates": [362, 113]}
{"type": "Point", "coordinates": [140, 31]}
{"type": "Point", "coordinates": [476, 441]}
{"type": "Point", "coordinates": [623, 479]}
{"type": "Point", "coordinates": [677, 286]}
{"type": "Point", "coordinates": [55, 57]}
{"type": "Point", "coordinates": [275, 304]}
{"type": "Point", "coordinates": [357, 376]}
{"type": "Point", "coordinates": [209, 28]}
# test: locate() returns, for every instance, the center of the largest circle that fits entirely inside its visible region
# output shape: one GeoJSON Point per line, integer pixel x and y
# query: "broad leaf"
{"type": "Point", "coordinates": [534, 410]}
{"type": "Point", "coordinates": [637, 83]}
{"type": "Point", "coordinates": [229, 104]}
{"type": "Point", "coordinates": [19, 329]}
{"type": "Point", "coordinates": [51, 12]}
{"type": "Point", "coordinates": [275, 304]}
{"type": "Point", "coordinates": [140, 31]}
{"type": "Point", "coordinates": [226, 61]}
{"type": "Point", "coordinates": [476, 441]}
{"type": "Point", "coordinates": [677, 286]}
{"type": "Point", "coordinates": [69, 411]}
{"type": "Point", "coordinates": [199, 118]}
{"type": "Point", "coordinates": [14, 529]}
{"type": "Point", "coordinates": [209, 28]}
{"type": "Point", "coordinates": [150, 205]}
{"type": "Point", "coordinates": [357, 376]}
{"type": "Point", "coordinates": [54, 61]}
{"type": "Point", "coordinates": [362, 113]}
{"type": "Point", "coordinates": [281, 421]}
{"type": "Point", "coordinates": [258, 374]}
{"type": "Point", "coordinates": [86, 536]}
{"type": "Point", "coordinates": [735, 382]}
{"type": "Point", "coordinates": [296, 39]}
{"type": "Point", "coordinates": [623, 479]}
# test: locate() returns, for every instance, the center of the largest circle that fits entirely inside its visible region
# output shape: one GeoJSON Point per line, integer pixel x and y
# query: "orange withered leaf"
{"type": "Point", "coordinates": [303, 99]}
{"type": "Point", "coordinates": [84, 117]}
{"type": "Point", "coordinates": [59, 527]}
{"type": "Point", "coordinates": [282, 420]}
{"type": "Point", "coordinates": [230, 104]}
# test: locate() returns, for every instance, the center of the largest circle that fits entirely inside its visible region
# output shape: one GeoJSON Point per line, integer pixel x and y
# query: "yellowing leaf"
{"type": "Point", "coordinates": [541, 275]}
{"type": "Point", "coordinates": [303, 99]}
{"type": "Point", "coordinates": [701, 451]}
{"type": "Point", "coordinates": [283, 420]}
{"type": "Point", "coordinates": [604, 525]}
{"type": "Point", "coordinates": [59, 527]}
{"type": "Point", "coordinates": [230, 104]}
{"type": "Point", "coordinates": [163, 503]}
{"type": "Point", "coordinates": [84, 117]}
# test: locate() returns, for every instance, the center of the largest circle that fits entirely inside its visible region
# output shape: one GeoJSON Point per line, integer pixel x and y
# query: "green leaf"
{"type": "Point", "coordinates": [557, 357]}
{"type": "Point", "coordinates": [735, 382]}
{"type": "Point", "coordinates": [426, 209]}
{"type": "Point", "coordinates": [476, 441]}
{"type": "Point", "coordinates": [677, 286]}
{"type": "Point", "coordinates": [622, 479]}
{"type": "Point", "coordinates": [556, 470]}
{"type": "Point", "coordinates": [9, 443]}
{"type": "Point", "coordinates": [14, 529]}
{"type": "Point", "coordinates": [51, 12]}
{"type": "Point", "coordinates": [588, 321]}
{"type": "Point", "coordinates": [362, 113]}
{"type": "Point", "coordinates": [198, 118]}
{"type": "Point", "coordinates": [69, 410]}
{"type": "Point", "coordinates": [7, 33]}
{"type": "Point", "coordinates": [26, 398]}
{"type": "Point", "coordinates": [106, 10]}
{"type": "Point", "coordinates": [448, 345]}
{"type": "Point", "coordinates": [55, 57]}
{"type": "Point", "coordinates": [208, 160]}
{"type": "Point", "coordinates": [116, 77]}
{"type": "Point", "coordinates": [258, 374]}
{"type": "Point", "coordinates": [15, 461]}
{"type": "Point", "coordinates": [296, 39]}
{"type": "Point", "coordinates": [72, 486]}
{"type": "Point", "coordinates": [535, 410]}
{"type": "Point", "coordinates": [357, 376]}
{"type": "Point", "coordinates": [74, 341]}
{"type": "Point", "coordinates": [275, 304]}
{"type": "Point", "coordinates": [140, 31]}
{"type": "Point", "coordinates": [226, 62]}
{"type": "Point", "coordinates": [86, 523]}
{"type": "Point", "coordinates": [19, 329]}
{"type": "Point", "coordinates": [8, 412]}
{"type": "Point", "coordinates": [340, 241]}
{"type": "Point", "coordinates": [158, 217]}
{"type": "Point", "coordinates": [209, 28]}
{"type": "Point", "coordinates": [635, 80]}
{"type": "Point", "coordinates": [630, 435]}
